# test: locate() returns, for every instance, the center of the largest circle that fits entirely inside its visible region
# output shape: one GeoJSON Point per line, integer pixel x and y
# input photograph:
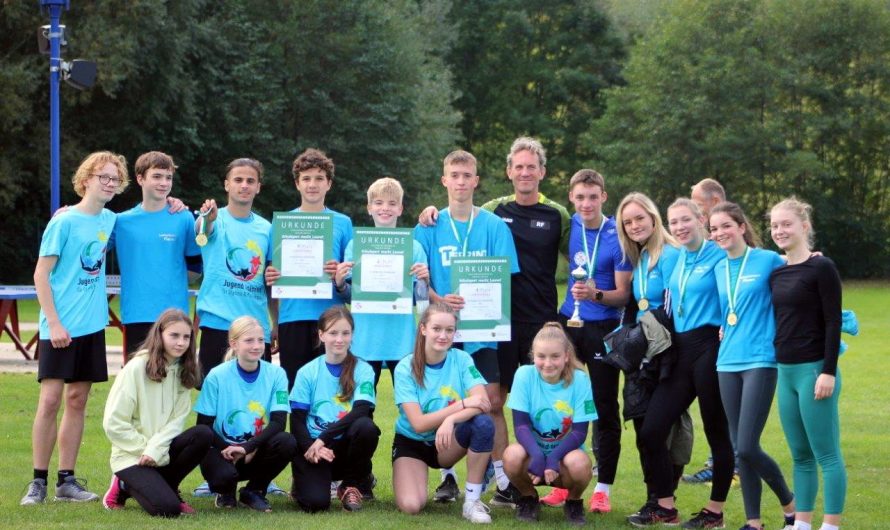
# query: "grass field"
{"type": "Point", "coordinates": [865, 417]}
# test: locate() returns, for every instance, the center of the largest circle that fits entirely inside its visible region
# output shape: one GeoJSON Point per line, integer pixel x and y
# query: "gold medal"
{"type": "Point", "coordinates": [732, 319]}
{"type": "Point", "coordinates": [201, 239]}
{"type": "Point", "coordinates": [643, 304]}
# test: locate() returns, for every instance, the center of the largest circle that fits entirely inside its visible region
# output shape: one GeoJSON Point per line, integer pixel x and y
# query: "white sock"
{"type": "Point", "coordinates": [800, 525]}
{"type": "Point", "coordinates": [607, 488]}
{"type": "Point", "coordinates": [499, 475]}
{"type": "Point", "coordinates": [826, 526]}
{"type": "Point", "coordinates": [473, 492]}
{"type": "Point", "coordinates": [449, 471]}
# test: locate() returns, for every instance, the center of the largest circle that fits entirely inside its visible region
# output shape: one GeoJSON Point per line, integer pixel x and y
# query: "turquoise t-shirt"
{"type": "Point", "coordinates": [700, 305]}
{"type": "Point", "coordinates": [656, 279]}
{"type": "Point", "coordinates": [441, 387]}
{"type": "Point", "coordinates": [489, 236]}
{"type": "Point", "coordinates": [553, 408]}
{"type": "Point", "coordinates": [299, 309]}
{"type": "Point", "coordinates": [77, 281]}
{"type": "Point", "coordinates": [318, 388]}
{"type": "Point", "coordinates": [151, 248]}
{"type": "Point", "coordinates": [748, 344]}
{"type": "Point", "coordinates": [382, 337]}
{"type": "Point", "coordinates": [242, 409]}
{"type": "Point", "coordinates": [235, 258]}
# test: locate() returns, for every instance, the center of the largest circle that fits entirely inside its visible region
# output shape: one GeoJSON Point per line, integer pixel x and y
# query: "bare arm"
{"type": "Point", "coordinates": [462, 410]}
{"type": "Point", "coordinates": [59, 336]}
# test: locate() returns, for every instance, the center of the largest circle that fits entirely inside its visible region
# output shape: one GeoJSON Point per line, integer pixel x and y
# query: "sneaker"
{"type": "Point", "coordinates": [335, 487]}
{"type": "Point", "coordinates": [705, 519]}
{"type": "Point", "coordinates": [528, 508]}
{"type": "Point", "coordinates": [351, 498]}
{"type": "Point", "coordinates": [447, 490]}
{"type": "Point", "coordinates": [574, 512]}
{"type": "Point", "coordinates": [789, 522]}
{"type": "Point", "coordinates": [599, 503]}
{"type": "Point", "coordinates": [36, 492]}
{"type": "Point", "coordinates": [74, 490]}
{"type": "Point", "coordinates": [650, 505]}
{"type": "Point", "coordinates": [507, 497]}
{"type": "Point", "coordinates": [366, 487]}
{"type": "Point", "coordinates": [702, 476]}
{"type": "Point", "coordinates": [254, 499]}
{"type": "Point", "coordinates": [184, 507]}
{"type": "Point", "coordinates": [273, 489]}
{"type": "Point", "coordinates": [556, 498]}
{"type": "Point", "coordinates": [656, 514]}
{"type": "Point", "coordinates": [203, 490]}
{"type": "Point", "coordinates": [115, 497]}
{"type": "Point", "coordinates": [225, 500]}
{"type": "Point", "coordinates": [476, 512]}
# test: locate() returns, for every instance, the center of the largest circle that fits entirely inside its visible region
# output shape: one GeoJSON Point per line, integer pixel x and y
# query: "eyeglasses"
{"type": "Point", "coordinates": [106, 179]}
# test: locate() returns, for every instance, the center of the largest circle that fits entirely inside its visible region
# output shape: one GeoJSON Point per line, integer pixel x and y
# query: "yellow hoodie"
{"type": "Point", "coordinates": [143, 416]}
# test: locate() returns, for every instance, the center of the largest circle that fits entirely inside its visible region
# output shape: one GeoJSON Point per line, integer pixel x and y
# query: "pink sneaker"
{"type": "Point", "coordinates": [186, 508]}
{"type": "Point", "coordinates": [556, 498]}
{"type": "Point", "coordinates": [115, 497]}
{"type": "Point", "coordinates": [599, 503]}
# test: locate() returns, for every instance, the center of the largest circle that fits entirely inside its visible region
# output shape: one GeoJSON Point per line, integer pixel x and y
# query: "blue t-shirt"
{"type": "Point", "coordinates": [656, 279]}
{"type": "Point", "coordinates": [78, 280]}
{"type": "Point", "coordinates": [234, 260]}
{"type": "Point", "coordinates": [151, 249]}
{"type": "Point", "coordinates": [553, 408]}
{"type": "Point", "coordinates": [299, 309]}
{"type": "Point", "coordinates": [609, 259]}
{"type": "Point", "coordinates": [489, 236]}
{"type": "Point", "coordinates": [441, 387]}
{"type": "Point", "coordinates": [748, 344]}
{"type": "Point", "coordinates": [242, 409]}
{"type": "Point", "coordinates": [318, 389]}
{"type": "Point", "coordinates": [383, 337]}
{"type": "Point", "coordinates": [700, 306]}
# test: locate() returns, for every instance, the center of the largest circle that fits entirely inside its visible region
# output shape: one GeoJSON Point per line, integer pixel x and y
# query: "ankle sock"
{"type": "Point", "coordinates": [41, 473]}
{"type": "Point", "coordinates": [63, 474]}
{"type": "Point", "coordinates": [473, 492]}
{"type": "Point", "coordinates": [600, 487]}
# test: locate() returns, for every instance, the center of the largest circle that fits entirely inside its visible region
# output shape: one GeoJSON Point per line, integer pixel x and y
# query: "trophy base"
{"type": "Point", "coordinates": [575, 323]}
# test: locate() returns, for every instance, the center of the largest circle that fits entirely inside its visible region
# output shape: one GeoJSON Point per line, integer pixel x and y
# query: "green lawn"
{"type": "Point", "coordinates": [865, 410]}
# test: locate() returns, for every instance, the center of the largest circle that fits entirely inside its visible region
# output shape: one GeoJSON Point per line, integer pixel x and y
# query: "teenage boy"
{"type": "Point", "coordinates": [155, 250]}
{"type": "Point", "coordinates": [238, 247]}
{"type": "Point", "coordinates": [593, 245]}
{"type": "Point", "coordinates": [298, 319]}
{"type": "Point", "coordinates": [383, 338]}
{"type": "Point", "coordinates": [467, 230]}
{"type": "Point", "coordinates": [70, 283]}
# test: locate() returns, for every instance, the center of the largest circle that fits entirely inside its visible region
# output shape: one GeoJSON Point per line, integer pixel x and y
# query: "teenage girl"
{"type": "Point", "coordinates": [144, 417]}
{"type": "Point", "coordinates": [695, 311]}
{"type": "Point", "coordinates": [332, 401]}
{"type": "Point", "coordinates": [442, 416]}
{"type": "Point", "coordinates": [244, 399]}
{"type": "Point", "coordinates": [807, 302]}
{"type": "Point", "coordinates": [552, 404]}
{"type": "Point", "coordinates": [746, 362]}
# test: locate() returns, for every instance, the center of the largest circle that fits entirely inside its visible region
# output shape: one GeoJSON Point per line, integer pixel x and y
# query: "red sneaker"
{"type": "Point", "coordinates": [599, 503]}
{"type": "Point", "coordinates": [556, 498]}
{"type": "Point", "coordinates": [115, 497]}
{"type": "Point", "coordinates": [186, 508]}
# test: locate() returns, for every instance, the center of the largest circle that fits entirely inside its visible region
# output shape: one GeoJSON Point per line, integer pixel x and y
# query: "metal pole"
{"type": "Point", "coordinates": [54, 8]}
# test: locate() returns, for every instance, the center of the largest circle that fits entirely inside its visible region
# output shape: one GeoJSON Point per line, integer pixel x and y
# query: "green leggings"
{"type": "Point", "coordinates": [813, 433]}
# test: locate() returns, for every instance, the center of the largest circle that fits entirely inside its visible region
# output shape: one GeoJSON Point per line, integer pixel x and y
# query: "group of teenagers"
{"type": "Point", "coordinates": [743, 323]}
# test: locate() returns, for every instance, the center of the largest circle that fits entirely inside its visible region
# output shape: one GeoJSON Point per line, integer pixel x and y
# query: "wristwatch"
{"type": "Point", "coordinates": [598, 296]}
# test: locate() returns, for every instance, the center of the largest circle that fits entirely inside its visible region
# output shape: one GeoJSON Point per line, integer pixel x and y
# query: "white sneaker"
{"type": "Point", "coordinates": [477, 512]}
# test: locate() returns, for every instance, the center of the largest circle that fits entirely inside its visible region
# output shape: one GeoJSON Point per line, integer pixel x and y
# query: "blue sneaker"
{"type": "Point", "coordinates": [273, 489]}
{"type": "Point", "coordinates": [203, 490]}
{"type": "Point", "coordinates": [703, 476]}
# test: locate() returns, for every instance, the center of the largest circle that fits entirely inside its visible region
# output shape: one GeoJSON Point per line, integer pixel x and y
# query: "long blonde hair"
{"type": "Point", "coordinates": [239, 327]}
{"type": "Point", "coordinates": [630, 249]}
{"type": "Point", "coordinates": [554, 331]}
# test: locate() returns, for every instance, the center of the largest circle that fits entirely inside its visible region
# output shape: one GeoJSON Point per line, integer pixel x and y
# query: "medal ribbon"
{"type": "Point", "coordinates": [734, 292]}
{"type": "Point", "coordinates": [644, 274]}
{"type": "Point", "coordinates": [466, 240]}
{"type": "Point", "coordinates": [591, 258]}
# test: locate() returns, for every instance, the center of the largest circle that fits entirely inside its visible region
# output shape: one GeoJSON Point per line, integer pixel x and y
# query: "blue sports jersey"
{"type": "Point", "coordinates": [489, 236]}
{"type": "Point", "coordinates": [78, 279]}
{"type": "Point", "coordinates": [298, 309]}
{"type": "Point", "coordinates": [316, 387]}
{"type": "Point", "coordinates": [656, 278]}
{"type": "Point", "coordinates": [234, 260]}
{"type": "Point", "coordinates": [242, 409]}
{"type": "Point", "coordinates": [700, 306]}
{"type": "Point", "coordinates": [553, 408]}
{"type": "Point", "coordinates": [609, 260]}
{"type": "Point", "coordinates": [441, 387]}
{"type": "Point", "coordinates": [748, 344]}
{"type": "Point", "coordinates": [382, 337]}
{"type": "Point", "coordinates": [151, 248]}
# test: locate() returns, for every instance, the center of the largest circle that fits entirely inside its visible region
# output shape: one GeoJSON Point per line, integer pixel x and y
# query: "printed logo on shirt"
{"type": "Point", "coordinates": [367, 388]}
{"type": "Point", "coordinates": [242, 425]}
{"type": "Point", "coordinates": [446, 396]}
{"type": "Point", "coordinates": [93, 254]}
{"type": "Point", "coordinates": [475, 372]}
{"type": "Point", "coordinates": [554, 422]}
{"type": "Point", "coordinates": [588, 406]}
{"type": "Point", "coordinates": [450, 251]}
{"type": "Point", "coordinates": [541, 225]}
{"type": "Point", "coordinates": [507, 219]}
{"type": "Point", "coordinates": [336, 408]}
{"type": "Point", "coordinates": [245, 262]}
{"type": "Point", "coordinates": [169, 238]}
{"type": "Point", "coordinates": [281, 397]}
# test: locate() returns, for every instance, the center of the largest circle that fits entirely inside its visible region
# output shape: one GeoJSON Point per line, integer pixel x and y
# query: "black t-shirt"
{"type": "Point", "coordinates": [807, 305]}
{"type": "Point", "coordinates": [540, 232]}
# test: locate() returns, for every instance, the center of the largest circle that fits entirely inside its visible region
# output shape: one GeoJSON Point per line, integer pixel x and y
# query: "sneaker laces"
{"type": "Point", "coordinates": [77, 483]}
{"type": "Point", "coordinates": [479, 506]}
{"type": "Point", "coordinates": [351, 495]}
{"type": "Point", "coordinates": [33, 488]}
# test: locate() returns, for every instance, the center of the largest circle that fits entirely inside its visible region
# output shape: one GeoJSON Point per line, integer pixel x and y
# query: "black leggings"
{"type": "Point", "coordinates": [693, 376]}
{"type": "Point", "coordinates": [297, 345]}
{"type": "Point", "coordinates": [352, 463]}
{"type": "Point", "coordinates": [271, 458]}
{"type": "Point", "coordinates": [156, 489]}
{"type": "Point", "coordinates": [378, 369]}
{"type": "Point", "coordinates": [677, 469]}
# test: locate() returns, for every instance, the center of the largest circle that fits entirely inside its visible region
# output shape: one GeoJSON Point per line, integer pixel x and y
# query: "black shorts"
{"type": "Point", "coordinates": [136, 333]}
{"type": "Point", "coordinates": [82, 360]}
{"type": "Point", "coordinates": [404, 447]}
{"type": "Point", "coordinates": [517, 351]}
{"type": "Point", "coordinates": [486, 361]}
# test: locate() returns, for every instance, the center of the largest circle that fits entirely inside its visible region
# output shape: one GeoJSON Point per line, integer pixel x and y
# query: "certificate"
{"type": "Point", "coordinates": [484, 284]}
{"type": "Point", "coordinates": [381, 280]}
{"type": "Point", "coordinates": [302, 244]}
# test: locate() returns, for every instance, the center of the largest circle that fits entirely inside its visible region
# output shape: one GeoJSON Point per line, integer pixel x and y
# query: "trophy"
{"type": "Point", "coordinates": [201, 238]}
{"type": "Point", "coordinates": [579, 275]}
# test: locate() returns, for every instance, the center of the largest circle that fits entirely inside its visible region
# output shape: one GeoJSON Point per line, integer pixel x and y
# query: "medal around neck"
{"type": "Point", "coordinates": [579, 274]}
{"type": "Point", "coordinates": [201, 238]}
